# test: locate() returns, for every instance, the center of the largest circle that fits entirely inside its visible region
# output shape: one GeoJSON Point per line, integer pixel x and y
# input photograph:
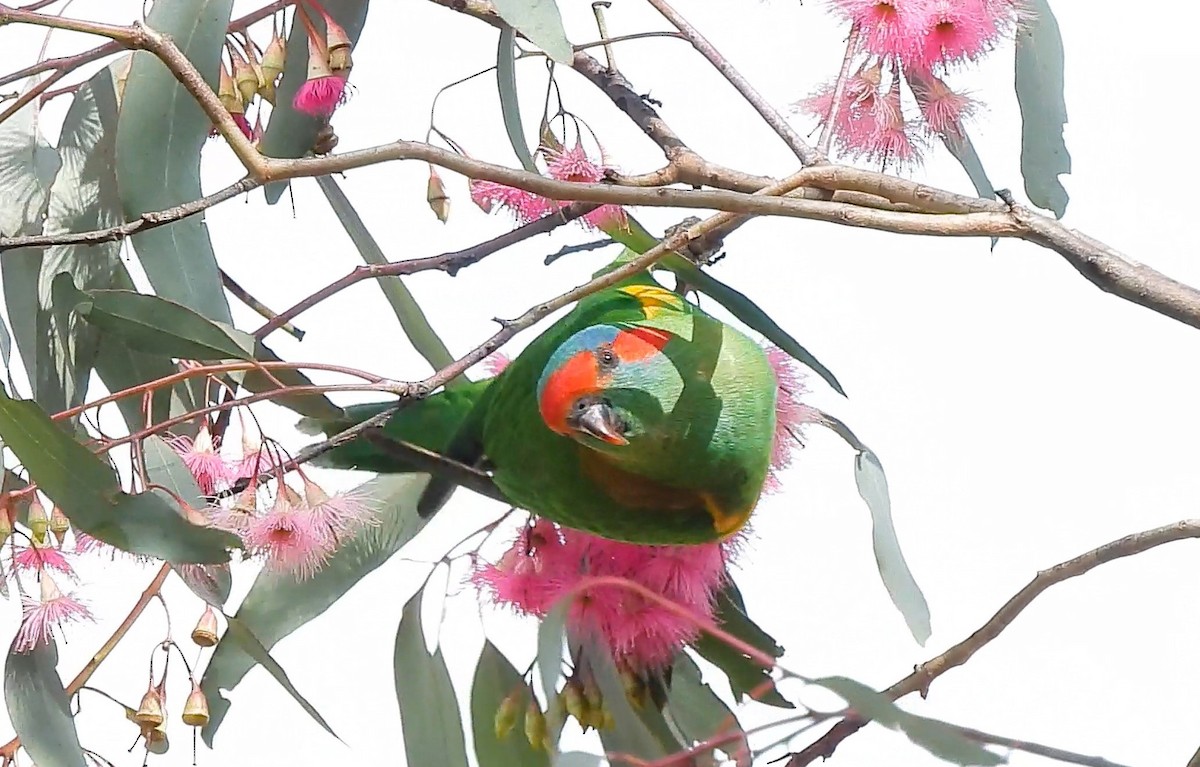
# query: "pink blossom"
{"type": "Point", "coordinates": [201, 457]}
{"type": "Point", "coordinates": [890, 141]}
{"type": "Point", "coordinates": [40, 618]}
{"type": "Point", "coordinates": [885, 27]}
{"type": "Point", "coordinates": [574, 165]}
{"type": "Point", "coordinates": [38, 557]}
{"type": "Point", "coordinates": [546, 562]}
{"type": "Point", "coordinates": [943, 109]}
{"type": "Point", "coordinates": [342, 513]}
{"type": "Point", "coordinates": [854, 122]}
{"type": "Point", "coordinates": [320, 96]}
{"type": "Point", "coordinates": [790, 413]}
{"type": "Point", "coordinates": [292, 539]}
{"type": "Point", "coordinates": [955, 30]}
{"type": "Point", "coordinates": [495, 363]}
{"type": "Point", "coordinates": [525, 206]}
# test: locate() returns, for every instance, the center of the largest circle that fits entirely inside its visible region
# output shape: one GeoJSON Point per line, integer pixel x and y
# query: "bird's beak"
{"type": "Point", "coordinates": [603, 423]}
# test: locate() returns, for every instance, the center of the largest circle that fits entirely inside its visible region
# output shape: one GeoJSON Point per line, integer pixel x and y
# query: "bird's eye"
{"type": "Point", "coordinates": [581, 405]}
{"type": "Point", "coordinates": [607, 358]}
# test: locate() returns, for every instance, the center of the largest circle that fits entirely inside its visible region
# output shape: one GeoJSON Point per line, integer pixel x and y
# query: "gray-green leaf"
{"type": "Point", "coordinates": [541, 22]}
{"type": "Point", "coordinates": [510, 105]}
{"type": "Point", "coordinates": [697, 710]}
{"type": "Point", "coordinates": [429, 715]}
{"type": "Point", "coordinates": [245, 639]}
{"type": "Point", "coordinates": [495, 679]}
{"type": "Point", "coordinates": [963, 150]}
{"type": "Point", "coordinates": [1039, 84]}
{"type": "Point", "coordinates": [39, 707]}
{"type": "Point", "coordinates": [278, 604]}
{"type": "Point", "coordinates": [743, 673]}
{"type": "Point", "coordinates": [160, 133]}
{"type": "Point", "coordinates": [897, 578]}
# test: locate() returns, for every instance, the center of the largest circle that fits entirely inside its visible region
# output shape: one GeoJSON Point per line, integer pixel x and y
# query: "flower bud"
{"type": "Point", "coordinates": [39, 523]}
{"type": "Point", "coordinates": [228, 94]}
{"type": "Point", "coordinates": [291, 496]}
{"type": "Point", "coordinates": [244, 77]}
{"type": "Point", "coordinates": [574, 701]}
{"type": "Point", "coordinates": [195, 711]}
{"type": "Point", "coordinates": [150, 713]}
{"type": "Point", "coordinates": [205, 633]}
{"type": "Point", "coordinates": [272, 65]}
{"type": "Point", "coordinates": [635, 690]}
{"type": "Point", "coordinates": [338, 43]}
{"type": "Point", "coordinates": [435, 194]}
{"type": "Point", "coordinates": [506, 715]}
{"type": "Point", "coordinates": [535, 725]}
{"type": "Point", "coordinates": [59, 524]}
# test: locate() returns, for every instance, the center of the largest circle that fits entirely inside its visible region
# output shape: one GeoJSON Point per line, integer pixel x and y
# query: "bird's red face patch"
{"type": "Point", "coordinates": [585, 365]}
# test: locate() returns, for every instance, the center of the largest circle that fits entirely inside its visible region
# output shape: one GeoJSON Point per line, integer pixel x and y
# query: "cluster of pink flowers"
{"type": "Point", "coordinates": [564, 165]}
{"type": "Point", "coordinates": [214, 471]}
{"type": "Point", "coordinates": [916, 42]}
{"type": "Point", "coordinates": [547, 562]}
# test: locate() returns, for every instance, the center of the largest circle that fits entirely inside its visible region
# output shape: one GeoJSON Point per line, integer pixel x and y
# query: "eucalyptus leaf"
{"type": "Point", "coordinates": [644, 732]}
{"type": "Point", "coordinates": [160, 133]}
{"type": "Point", "coordinates": [743, 673]}
{"type": "Point", "coordinates": [540, 22]}
{"type": "Point", "coordinates": [510, 105]}
{"type": "Point", "coordinates": [429, 715]}
{"type": "Point", "coordinates": [1039, 83]}
{"type": "Point", "coordinates": [552, 632]}
{"type": "Point", "coordinates": [39, 707]}
{"type": "Point", "coordinates": [698, 711]}
{"type": "Point", "coordinates": [936, 737]}
{"type": "Point", "coordinates": [964, 151]}
{"type": "Point", "coordinates": [495, 679]}
{"type": "Point", "coordinates": [416, 326]}
{"type": "Point", "coordinates": [897, 578]}
{"type": "Point", "coordinates": [156, 325]}
{"type": "Point", "coordinates": [245, 639]}
{"type": "Point", "coordinates": [87, 491]}
{"type": "Point", "coordinates": [278, 604]}
{"type": "Point", "coordinates": [291, 133]}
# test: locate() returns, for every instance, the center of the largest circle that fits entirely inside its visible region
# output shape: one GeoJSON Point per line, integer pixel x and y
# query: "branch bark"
{"type": "Point", "coordinates": [920, 679]}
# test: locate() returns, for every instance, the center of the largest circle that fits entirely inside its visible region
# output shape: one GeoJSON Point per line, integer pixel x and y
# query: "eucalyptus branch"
{"type": "Point", "coordinates": [262, 309]}
{"type": "Point", "coordinates": [924, 674]}
{"type": "Point", "coordinates": [839, 89]}
{"type": "Point", "coordinates": [436, 463]}
{"type": "Point", "coordinates": [771, 116]}
{"type": "Point", "coordinates": [1029, 747]}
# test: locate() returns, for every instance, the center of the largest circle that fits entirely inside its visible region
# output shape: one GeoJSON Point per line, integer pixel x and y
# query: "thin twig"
{"type": "Point", "coordinates": [839, 89]}
{"type": "Point", "coordinates": [771, 116]}
{"type": "Point", "coordinates": [258, 306]}
{"type": "Point", "coordinates": [1029, 747]}
{"type": "Point", "coordinates": [583, 247]}
{"type": "Point", "coordinates": [920, 679]}
{"type": "Point", "coordinates": [435, 463]}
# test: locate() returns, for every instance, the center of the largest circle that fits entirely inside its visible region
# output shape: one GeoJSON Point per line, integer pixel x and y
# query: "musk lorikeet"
{"type": "Point", "coordinates": [636, 417]}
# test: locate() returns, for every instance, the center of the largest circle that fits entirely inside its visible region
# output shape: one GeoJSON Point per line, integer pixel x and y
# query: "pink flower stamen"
{"type": "Point", "coordinates": [37, 558]}
{"type": "Point", "coordinates": [291, 539]}
{"type": "Point", "coordinates": [40, 618]}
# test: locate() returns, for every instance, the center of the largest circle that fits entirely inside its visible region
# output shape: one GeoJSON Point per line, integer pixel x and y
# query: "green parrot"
{"type": "Point", "coordinates": [636, 417]}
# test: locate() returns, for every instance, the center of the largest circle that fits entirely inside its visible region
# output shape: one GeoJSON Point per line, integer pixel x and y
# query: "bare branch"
{"type": "Point", "coordinates": [262, 309]}
{"type": "Point", "coordinates": [920, 679]}
{"type": "Point", "coordinates": [1029, 747]}
{"type": "Point", "coordinates": [807, 154]}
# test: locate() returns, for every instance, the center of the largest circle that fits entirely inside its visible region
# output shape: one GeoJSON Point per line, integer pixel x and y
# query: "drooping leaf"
{"type": "Point", "coordinates": [495, 679]}
{"type": "Point", "coordinates": [429, 715]}
{"type": "Point", "coordinates": [1039, 83]}
{"type": "Point", "coordinates": [290, 133]}
{"type": "Point", "coordinates": [6, 354]}
{"type": "Point", "coordinates": [936, 737]}
{"type": "Point", "coordinates": [245, 639]}
{"type": "Point", "coordinates": [743, 673]}
{"type": "Point", "coordinates": [161, 130]}
{"type": "Point", "coordinates": [552, 632]}
{"type": "Point", "coordinates": [157, 325]}
{"type": "Point", "coordinates": [510, 106]}
{"type": "Point", "coordinates": [165, 467]}
{"type": "Point", "coordinates": [964, 151]}
{"type": "Point", "coordinates": [644, 732]}
{"type": "Point", "coordinates": [28, 165]}
{"type": "Point", "coordinates": [86, 490]}
{"type": "Point", "coordinates": [901, 585]}
{"type": "Point", "coordinates": [39, 707]}
{"type": "Point", "coordinates": [121, 368]}
{"type": "Point", "coordinates": [697, 710]}
{"type": "Point", "coordinates": [540, 21]}
{"type": "Point", "coordinates": [278, 604]}
{"type": "Point", "coordinates": [578, 759]}
{"type": "Point", "coordinates": [416, 326]}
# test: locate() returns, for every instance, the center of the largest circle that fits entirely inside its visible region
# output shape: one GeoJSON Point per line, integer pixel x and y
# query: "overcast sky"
{"type": "Point", "coordinates": [1022, 416]}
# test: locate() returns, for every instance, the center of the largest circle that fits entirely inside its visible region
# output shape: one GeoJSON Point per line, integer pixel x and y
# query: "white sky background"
{"type": "Point", "coordinates": [1022, 416]}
